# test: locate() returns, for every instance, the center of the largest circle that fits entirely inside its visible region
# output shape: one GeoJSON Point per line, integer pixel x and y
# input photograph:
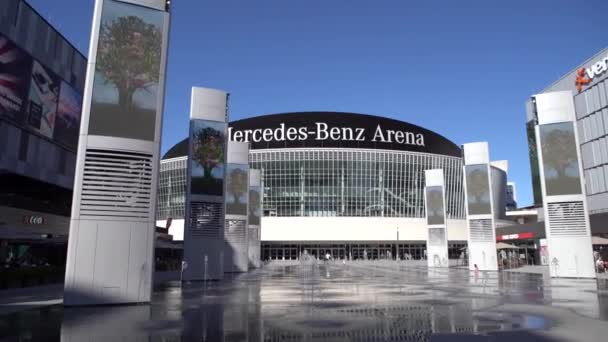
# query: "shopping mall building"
{"type": "Point", "coordinates": [337, 182]}
{"type": "Point", "coordinates": [41, 83]}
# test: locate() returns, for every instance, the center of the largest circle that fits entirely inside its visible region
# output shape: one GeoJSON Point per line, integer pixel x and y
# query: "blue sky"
{"type": "Point", "coordinates": [461, 68]}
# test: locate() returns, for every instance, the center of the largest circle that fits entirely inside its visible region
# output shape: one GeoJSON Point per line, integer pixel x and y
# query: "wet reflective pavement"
{"type": "Point", "coordinates": [369, 301]}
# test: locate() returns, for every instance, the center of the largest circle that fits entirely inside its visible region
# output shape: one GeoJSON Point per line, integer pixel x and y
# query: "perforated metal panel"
{"type": "Point", "coordinates": [116, 184]}
{"type": "Point", "coordinates": [566, 218]}
{"type": "Point", "coordinates": [481, 230]}
{"type": "Point", "coordinates": [206, 219]}
{"type": "Point", "coordinates": [235, 232]}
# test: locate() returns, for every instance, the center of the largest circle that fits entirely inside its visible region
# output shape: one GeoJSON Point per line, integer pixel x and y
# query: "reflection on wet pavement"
{"type": "Point", "coordinates": [370, 301]}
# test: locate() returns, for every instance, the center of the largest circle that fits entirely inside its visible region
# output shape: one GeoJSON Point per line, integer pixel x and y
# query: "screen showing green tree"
{"type": "Point", "coordinates": [560, 161]}
{"type": "Point", "coordinates": [127, 71]}
{"type": "Point", "coordinates": [478, 189]}
{"type": "Point", "coordinates": [237, 183]}
{"type": "Point", "coordinates": [436, 236]}
{"type": "Point", "coordinates": [255, 205]}
{"type": "Point", "coordinates": [434, 206]}
{"type": "Point", "coordinates": [207, 141]}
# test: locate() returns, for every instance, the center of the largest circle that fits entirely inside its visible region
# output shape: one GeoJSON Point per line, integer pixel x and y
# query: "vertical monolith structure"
{"type": "Point", "coordinates": [206, 185]}
{"type": "Point", "coordinates": [112, 228]}
{"type": "Point", "coordinates": [237, 200]}
{"type": "Point", "coordinates": [479, 207]}
{"type": "Point", "coordinates": [564, 197]}
{"type": "Point", "coordinates": [254, 218]}
{"type": "Point", "coordinates": [434, 199]}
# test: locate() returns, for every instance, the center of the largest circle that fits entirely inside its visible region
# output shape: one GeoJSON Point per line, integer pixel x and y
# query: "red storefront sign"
{"type": "Point", "coordinates": [520, 236]}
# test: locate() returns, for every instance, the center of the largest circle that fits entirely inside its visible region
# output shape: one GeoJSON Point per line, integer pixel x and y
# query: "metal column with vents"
{"type": "Point", "coordinates": [112, 228]}
{"type": "Point", "coordinates": [434, 200]}
{"type": "Point", "coordinates": [236, 258]}
{"type": "Point", "coordinates": [479, 207]}
{"type": "Point", "coordinates": [564, 198]}
{"type": "Point", "coordinates": [206, 186]}
{"type": "Point", "coordinates": [254, 218]}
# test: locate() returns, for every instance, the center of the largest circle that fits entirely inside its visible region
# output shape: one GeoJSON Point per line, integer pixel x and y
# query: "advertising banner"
{"type": "Point", "coordinates": [67, 124]}
{"type": "Point", "coordinates": [127, 71]}
{"type": "Point", "coordinates": [42, 101]}
{"type": "Point", "coordinates": [560, 161]}
{"type": "Point", "coordinates": [478, 189]}
{"type": "Point", "coordinates": [15, 68]}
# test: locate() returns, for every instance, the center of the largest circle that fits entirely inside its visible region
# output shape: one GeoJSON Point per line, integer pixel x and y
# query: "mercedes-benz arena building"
{"type": "Point", "coordinates": [341, 183]}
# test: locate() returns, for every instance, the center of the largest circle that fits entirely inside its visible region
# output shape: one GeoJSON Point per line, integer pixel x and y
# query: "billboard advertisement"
{"type": "Point", "coordinates": [237, 184]}
{"type": "Point", "coordinates": [127, 71]}
{"type": "Point", "coordinates": [255, 205]}
{"type": "Point", "coordinates": [560, 160]}
{"type": "Point", "coordinates": [67, 123]}
{"type": "Point", "coordinates": [434, 205]}
{"type": "Point", "coordinates": [43, 97]}
{"type": "Point", "coordinates": [208, 144]}
{"type": "Point", "coordinates": [15, 68]}
{"type": "Point", "coordinates": [478, 189]}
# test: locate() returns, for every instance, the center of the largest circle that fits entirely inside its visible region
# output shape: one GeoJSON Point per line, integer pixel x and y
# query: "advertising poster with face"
{"type": "Point", "coordinates": [478, 189]}
{"type": "Point", "coordinates": [127, 71]}
{"type": "Point", "coordinates": [15, 68]}
{"type": "Point", "coordinates": [207, 139]}
{"type": "Point", "coordinates": [67, 125]}
{"type": "Point", "coordinates": [237, 177]}
{"type": "Point", "coordinates": [434, 207]}
{"type": "Point", "coordinates": [255, 206]}
{"type": "Point", "coordinates": [560, 161]}
{"type": "Point", "coordinates": [42, 101]}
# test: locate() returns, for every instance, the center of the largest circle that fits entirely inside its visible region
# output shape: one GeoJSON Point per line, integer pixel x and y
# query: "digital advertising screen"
{"type": "Point", "coordinates": [208, 144]}
{"type": "Point", "coordinates": [42, 101]}
{"type": "Point", "coordinates": [434, 206]}
{"type": "Point", "coordinates": [437, 236]}
{"type": "Point", "coordinates": [15, 69]}
{"type": "Point", "coordinates": [127, 71]}
{"type": "Point", "coordinates": [560, 161]}
{"type": "Point", "coordinates": [255, 205]}
{"type": "Point", "coordinates": [67, 124]}
{"type": "Point", "coordinates": [478, 189]}
{"type": "Point", "coordinates": [237, 184]}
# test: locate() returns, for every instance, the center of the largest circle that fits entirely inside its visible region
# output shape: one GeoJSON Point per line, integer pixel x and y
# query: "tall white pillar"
{"type": "Point", "coordinates": [236, 258]}
{"type": "Point", "coordinates": [204, 219]}
{"type": "Point", "coordinates": [255, 218]}
{"type": "Point", "coordinates": [564, 198]}
{"type": "Point", "coordinates": [480, 207]}
{"type": "Point", "coordinates": [112, 228]}
{"type": "Point", "coordinates": [434, 200]}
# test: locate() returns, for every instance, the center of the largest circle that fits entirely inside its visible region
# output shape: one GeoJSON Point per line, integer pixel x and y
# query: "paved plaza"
{"type": "Point", "coordinates": [364, 301]}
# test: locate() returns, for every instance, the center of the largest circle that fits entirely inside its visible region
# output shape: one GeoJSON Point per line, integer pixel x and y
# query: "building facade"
{"type": "Point", "coordinates": [348, 184]}
{"type": "Point", "coordinates": [42, 78]}
{"type": "Point", "coordinates": [589, 86]}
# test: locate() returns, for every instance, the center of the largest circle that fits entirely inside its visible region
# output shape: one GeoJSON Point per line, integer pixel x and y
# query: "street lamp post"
{"type": "Point", "coordinates": [398, 249]}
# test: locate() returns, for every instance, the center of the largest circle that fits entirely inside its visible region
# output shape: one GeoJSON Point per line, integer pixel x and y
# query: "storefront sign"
{"type": "Point", "coordinates": [586, 75]}
{"type": "Point", "coordinates": [35, 220]}
{"type": "Point", "coordinates": [322, 131]}
{"type": "Point", "coordinates": [520, 236]}
{"type": "Point", "coordinates": [337, 129]}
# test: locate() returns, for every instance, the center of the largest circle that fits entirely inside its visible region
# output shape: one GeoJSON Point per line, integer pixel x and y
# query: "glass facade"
{"type": "Point", "coordinates": [333, 182]}
{"type": "Point", "coordinates": [277, 250]}
{"type": "Point", "coordinates": [172, 189]}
